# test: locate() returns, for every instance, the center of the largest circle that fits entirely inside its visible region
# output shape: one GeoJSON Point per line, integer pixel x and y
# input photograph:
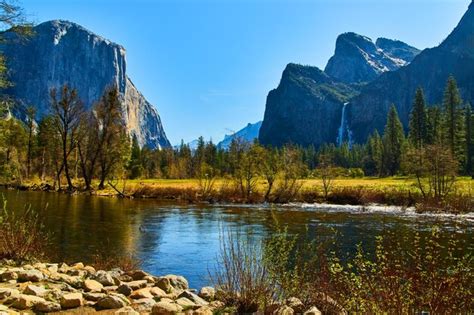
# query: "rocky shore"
{"type": "Point", "coordinates": [81, 289]}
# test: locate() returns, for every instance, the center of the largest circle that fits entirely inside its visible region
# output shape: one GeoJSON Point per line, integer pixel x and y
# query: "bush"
{"type": "Point", "coordinates": [108, 261]}
{"type": "Point", "coordinates": [22, 236]}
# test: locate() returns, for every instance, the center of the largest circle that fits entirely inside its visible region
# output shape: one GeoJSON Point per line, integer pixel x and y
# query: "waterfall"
{"type": "Point", "coordinates": [344, 133]}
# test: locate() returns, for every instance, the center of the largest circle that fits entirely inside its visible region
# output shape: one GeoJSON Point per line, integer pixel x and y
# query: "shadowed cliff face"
{"type": "Point", "coordinates": [305, 109]}
{"type": "Point", "coordinates": [429, 70]}
{"type": "Point", "coordinates": [62, 52]}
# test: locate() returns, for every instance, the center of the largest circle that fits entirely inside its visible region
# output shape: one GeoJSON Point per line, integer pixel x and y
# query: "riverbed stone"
{"type": "Point", "coordinates": [158, 292]}
{"type": "Point", "coordinates": [47, 307]}
{"type": "Point", "coordinates": [207, 293]}
{"type": "Point", "coordinates": [185, 303]}
{"type": "Point", "coordinates": [137, 274]}
{"type": "Point", "coordinates": [71, 300]}
{"type": "Point", "coordinates": [144, 305]}
{"type": "Point", "coordinates": [104, 278]}
{"type": "Point", "coordinates": [124, 289]}
{"type": "Point", "coordinates": [284, 310]}
{"type": "Point", "coordinates": [164, 284]}
{"type": "Point", "coordinates": [78, 265]}
{"type": "Point", "coordinates": [138, 284]}
{"type": "Point", "coordinates": [8, 292]}
{"type": "Point", "coordinates": [127, 310]}
{"type": "Point", "coordinates": [35, 290]}
{"type": "Point", "coordinates": [8, 275]}
{"type": "Point", "coordinates": [113, 301]}
{"type": "Point", "coordinates": [142, 293]}
{"type": "Point", "coordinates": [32, 275]}
{"type": "Point", "coordinates": [25, 301]}
{"type": "Point", "coordinates": [109, 289]}
{"type": "Point", "coordinates": [295, 304]}
{"type": "Point", "coordinates": [93, 296]}
{"type": "Point", "coordinates": [178, 282]}
{"type": "Point", "coordinates": [165, 308]}
{"type": "Point", "coordinates": [92, 286]}
{"type": "Point", "coordinates": [313, 311]}
{"type": "Point", "coordinates": [203, 310]}
{"type": "Point", "coordinates": [193, 297]}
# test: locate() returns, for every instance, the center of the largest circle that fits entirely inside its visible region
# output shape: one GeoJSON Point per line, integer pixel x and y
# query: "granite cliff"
{"type": "Point", "coordinates": [62, 52]}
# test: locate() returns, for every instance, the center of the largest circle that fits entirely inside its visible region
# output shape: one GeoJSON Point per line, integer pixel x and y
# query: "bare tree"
{"type": "Point", "coordinates": [68, 111]}
{"type": "Point", "coordinates": [327, 172]}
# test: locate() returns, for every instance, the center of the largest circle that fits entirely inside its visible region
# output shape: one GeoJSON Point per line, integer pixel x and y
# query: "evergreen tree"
{"type": "Point", "coordinates": [417, 134]}
{"type": "Point", "coordinates": [434, 126]}
{"type": "Point", "coordinates": [393, 140]}
{"type": "Point", "coordinates": [454, 131]}
{"type": "Point", "coordinates": [135, 164]}
{"type": "Point", "coordinates": [373, 160]}
{"type": "Point", "coordinates": [469, 141]}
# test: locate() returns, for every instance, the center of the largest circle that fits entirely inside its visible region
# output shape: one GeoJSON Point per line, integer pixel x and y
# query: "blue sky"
{"type": "Point", "coordinates": [208, 65]}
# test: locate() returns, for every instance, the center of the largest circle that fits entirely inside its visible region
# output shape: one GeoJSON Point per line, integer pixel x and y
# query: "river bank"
{"type": "Point", "coordinates": [364, 193]}
{"type": "Point", "coordinates": [81, 289]}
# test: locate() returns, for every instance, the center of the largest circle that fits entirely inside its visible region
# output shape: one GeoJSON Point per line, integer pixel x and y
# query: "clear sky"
{"type": "Point", "coordinates": [207, 65]}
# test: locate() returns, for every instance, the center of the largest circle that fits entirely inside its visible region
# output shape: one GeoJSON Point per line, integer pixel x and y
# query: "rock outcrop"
{"type": "Point", "coordinates": [358, 59]}
{"type": "Point", "coordinates": [247, 134]}
{"type": "Point", "coordinates": [62, 52]}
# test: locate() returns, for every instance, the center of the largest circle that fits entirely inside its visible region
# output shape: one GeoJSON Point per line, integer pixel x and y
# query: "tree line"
{"type": "Point", "coordinates": [74, 143]}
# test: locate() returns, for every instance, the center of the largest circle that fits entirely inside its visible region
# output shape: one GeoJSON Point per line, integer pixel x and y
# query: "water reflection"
{"type": "Point", "coordinates": [184, 239]}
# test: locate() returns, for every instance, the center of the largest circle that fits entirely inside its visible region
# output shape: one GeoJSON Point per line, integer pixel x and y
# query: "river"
{"type": "Point", "coordinates": [185, 239]}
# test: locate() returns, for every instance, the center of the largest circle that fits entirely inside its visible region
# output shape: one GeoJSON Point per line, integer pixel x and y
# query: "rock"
{"type": "Point", "coordinates": [144, 305]}
{"type": "Point", "coordinates": [125, 278]}
{"type": "Point", "coordinates": [203, 310]}
{"type": "Point", "coordinates": [27, 301]}
{"type": "Point", "coordinates": [47, 307]}
{"type": "Point", "coordinates": [185, 303]}
{"type": "Point", "coordinates": [149, 279]}
{"type": "Point", "coordinates": [90, 270]}
{"type": "Point", "coordinates": [93, 296]}
{"type": "Point", "coordinates": [62, 47]}
{"type": "Point", "coordinates": [108, 289]}
{"type": "Point", "coordinates": [178, 282]}
{"type": "Point", "coordinates": [8, 292]}
{"type": "Point", "coordinates": [207, 293]}
{"type": "Point", "coordinates": [73, 281]}
{"type": "Point", "coordinates": [137, 274]}
{"type": "Point", "coordinates": [63, 268]}
{"type": "Point", "coordinates": [313, 311]}
{"type": "Point", "coordinates": [52, 268]}
{"type": "Point", "coordinates": [165, 308]}
{"type": "Point", "coordinates": [71, 300]}
{"type": "Point", "coordinates": [78, 265]}
{"type": "Point", "coordinates": [92, 286]}
{"type": "Point", "coordinates": [124, 289]}
{"type": "Point", "coordinates": [164, 284]}
{"type": "Point", "coordinates": [141, 294]}
{"type": "Point", "coordinates": [135, 285]}
{"type": "Point", "coordinates": [193, 297]}
{"type": "Point", "coordinates": [35, 290]}
{"type": "Point", "coordinates": [113, 301]}
{"type": "Point", "coordinates": [8, 275]}
{"type": "Point", "coordinates": [126, 311]}
{"type": "Point", "coordinates": [77, 273]}
{"type": "Point", "coordinates": [158, 292]}
{"type": "Point", "coordinates": [104, 278]}
{"type": "Point", "coordinates": [32, 275]}
{"type": "Point", "coordinates": [295, 304]}
{"type": "Point", "coordinates": [216, 305]}
{"type": "Point", "coordinates": [284, 310]}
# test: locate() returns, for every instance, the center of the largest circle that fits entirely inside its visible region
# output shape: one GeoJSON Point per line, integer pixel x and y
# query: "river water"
{"type": "Point", "coordinates": [185, 239]}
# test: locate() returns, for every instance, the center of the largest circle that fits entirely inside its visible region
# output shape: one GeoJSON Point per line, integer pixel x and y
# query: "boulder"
{"type": "Point", "coordinates": [207, 293]}
{"type": "Point", "coordinates": [92, 286]}
{"type": "Point", "coordinates": [32, 275]}
{"type": "Point", "coordinates": [284, 310]}
{"type": "Point", "coordinates": [47, 307]}
{"type": "Point", "coordinates": [193, 297]}
{"type": "Point", "coordinates": [203, 310]}
{"type": "Point", "coordinates": [313, 311]}
{"type": "Point", "coordinates": [113, 301]}
{"type": "Point", "coordinates": [158, 292]}
{"type": "Point", "coordinates": [164, 284]}
{"type": "Point", "coordinates": [144, 305]}
{"type": "Point", "coordinates": [27, 301]}
{"type": "Point", "coordinates": [8, 292]}
{"type": "Point", "coordinates": [8, 275]}
{"type": "Point", "coordinates": [178, 282]}
{"type": "Point", "coordinates": [128, 310]}
{"type": "Point", "coordinates": [35, 290]}
{"type": "Point", "coordinates": [135, 285]}
{"type": "Point", "coordinates": [165, 308]}
{"type": "Point", "coordinates": [93, 296]}
{"type": "Point", "coordinates": [137, 274]}
{"type": "Point", "coordinates": [124, 289]}
{"type": "Point", "coordinates": [78, 265]}
{"type": "Point", "coordinates": [111, 288]}
{"type": "Point", "coordinates": [295, 304]}
{"type": "Point", "coordinates": [104, 278]}
{"type": "Point", "coordinates": [71, 300]}
{"type": "Point", "coordinates": [185, 303]}
{"type": "Point", "coordinates": [142, 294]}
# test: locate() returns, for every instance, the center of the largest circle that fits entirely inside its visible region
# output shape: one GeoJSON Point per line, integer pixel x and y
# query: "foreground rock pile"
{"type": "Point", "coordinates": [80, 289]}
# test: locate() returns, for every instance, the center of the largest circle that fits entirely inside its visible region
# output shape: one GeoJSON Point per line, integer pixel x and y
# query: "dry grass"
{"type": "Point", "coordinates": [125, 262]}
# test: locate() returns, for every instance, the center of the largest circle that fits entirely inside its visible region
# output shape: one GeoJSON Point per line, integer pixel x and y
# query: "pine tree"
{"type": "Point", "coordinates": [434, 125]}
{"type": "Point", "coordinates": [373, 161]}
{"type": "Point", "coordinates": [454, 122]}
{"type": "Point", "coordinates": [418, 127]}
{"type": "Point", "coordinates": [393, 140]}
{"type": "Point", "coordinates": [469, 141]}
{"type": "Point", "coordinates": [135, 163]}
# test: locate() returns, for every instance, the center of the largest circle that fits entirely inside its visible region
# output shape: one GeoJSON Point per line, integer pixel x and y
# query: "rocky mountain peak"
{"type": "Point", "coordinates": [358, 59]}
{"type": "Point", "coordinates": [461, 39]}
